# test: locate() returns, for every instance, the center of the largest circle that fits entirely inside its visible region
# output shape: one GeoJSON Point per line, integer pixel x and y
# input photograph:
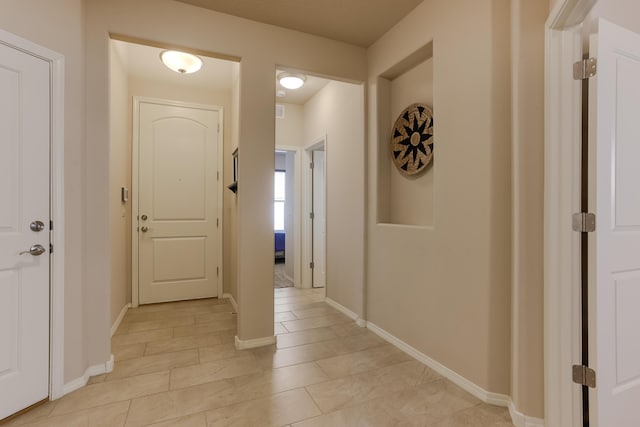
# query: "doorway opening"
{"type": "Point", "coordinates": [169, 134]}
{"type": "Point", "coordinates": [284, 221]}
{"type": "Point", "coordinates": [318, 126]}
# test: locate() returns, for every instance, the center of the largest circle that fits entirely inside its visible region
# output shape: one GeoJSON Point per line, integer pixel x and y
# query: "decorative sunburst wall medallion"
{"type": "Point", "coordinates": [412, 139]}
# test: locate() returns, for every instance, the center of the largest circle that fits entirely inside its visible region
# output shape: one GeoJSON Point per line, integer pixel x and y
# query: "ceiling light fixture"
{"type": "Point", "coordinates": [291, 81]}
{"type": "Point", "coordinates": [181, 62]}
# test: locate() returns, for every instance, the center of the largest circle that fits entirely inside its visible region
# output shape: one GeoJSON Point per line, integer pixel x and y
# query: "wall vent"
{"type": "Point", "coordinates": [279, 111]}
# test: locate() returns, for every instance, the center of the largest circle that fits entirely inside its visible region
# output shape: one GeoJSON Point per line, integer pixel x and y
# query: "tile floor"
{"type": "Point", "coordinates": [176, 365]}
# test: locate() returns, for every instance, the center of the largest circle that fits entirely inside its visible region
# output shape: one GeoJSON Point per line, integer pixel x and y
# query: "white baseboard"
{"type": "Point", "coordinates": [344, 310]}
{"type": "Point", "coordinates": [521, 420]}
{"type": "Point", "coordinates": [116, 324]}
{"type": "Point", "coordinates": [254, 343]}
{"type": "Point", "coordinates": [232, 301]}
{"type": "Point", "coordinates": [91, 371]}
{"type": "Point", "coordinates": [482, 394]}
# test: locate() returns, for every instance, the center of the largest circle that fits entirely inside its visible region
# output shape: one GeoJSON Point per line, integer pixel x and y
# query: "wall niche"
{"type": "Point", "coordinates": [402, 199]}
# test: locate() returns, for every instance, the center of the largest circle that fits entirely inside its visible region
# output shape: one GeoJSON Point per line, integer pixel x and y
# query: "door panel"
{"type": "Point", "coordinates": [177, 202]}
{"type": "Point", "coordinates": [319, 237]}
{"type": "Point", "coordinates": [614, 281]}
{"type": "Point", "coordinates": [24, 196]}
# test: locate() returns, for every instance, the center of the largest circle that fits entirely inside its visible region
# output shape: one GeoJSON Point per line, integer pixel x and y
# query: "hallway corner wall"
{"type": "Point", "coordinates": [445, 289]}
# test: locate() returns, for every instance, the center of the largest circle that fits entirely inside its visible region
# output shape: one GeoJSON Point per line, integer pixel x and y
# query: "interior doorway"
{"type": "Point", "coordinates": [179, 171]}
{"type": "Point", "coordinates": [284, 219]}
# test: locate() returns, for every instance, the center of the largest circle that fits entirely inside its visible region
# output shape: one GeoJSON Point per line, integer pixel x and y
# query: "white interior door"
{"type": "Point", "coordinates": [614, 324]}
{"type": "Point", "coordinates": [24, 199]}
{"type": "Point", "coordinates": [319, 220]}
{"type": "Point", "coordinates": [177, 202]}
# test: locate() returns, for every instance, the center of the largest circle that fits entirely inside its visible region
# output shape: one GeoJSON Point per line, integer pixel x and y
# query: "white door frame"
{"type": "Point", "coordinates": [56, 278]}
{"type": "Point", "coordinates": [307, 199]}
{"type": "Point", "coordinates": [563, 108]}
{"type": "Point", "coordinates": [298, 215]}
{"type": "Point", "coordinates": [134, 187]}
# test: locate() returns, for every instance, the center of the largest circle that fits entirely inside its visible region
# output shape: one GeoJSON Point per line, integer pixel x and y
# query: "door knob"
{"type": "Point", "coordinates": [143, 217]}
{"type": "Point", "coordinates": [144, 229]}
{"type": "Point", "coordinates": [35, 250]}
{"type": "Point", "coordinates": [36, 226]}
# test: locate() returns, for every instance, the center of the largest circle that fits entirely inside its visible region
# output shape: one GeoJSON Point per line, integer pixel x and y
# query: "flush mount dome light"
{"type": "Point", "coordinates": [291, 81]}
{"type": "Point", "coordinates": [181, 62]}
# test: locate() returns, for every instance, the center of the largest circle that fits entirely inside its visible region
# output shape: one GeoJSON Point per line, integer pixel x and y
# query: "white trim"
{"type": "Point", "coordinates": [298, 213]}
{"type": "Point", "coordinates": [459, 380]}
{"type": "Point", "coordinates": [232, 300]}
{"type": "Point", "coordinates": [91, 371]}
{"type": "Point", "coordinates": [134, 188]}
{"type": "Point", "coordinates": [320, 142]}
{"type": "Point", "coordinates": [57, 275]}
{"type": "Point", "coordinates": [521, 420]}
{"type": "Point", "coordinates": [344, 310]}
{"type": "Point", "coordinates": [116, 324]}
{"type": "Point", "coordinates": [255, 343]}
{"type": "Point", "coordinates": [562, 198]}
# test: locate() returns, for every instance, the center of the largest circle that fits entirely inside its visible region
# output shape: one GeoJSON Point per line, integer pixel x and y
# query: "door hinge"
{"type": "Point", "coordinates": [584, 375]}
{"type": "Point", "coordinates": [217, 176]}
{"type": "Point", "coordinates": [585, 69]}
{"type": "Point", "coordinates": [584, 222]}
{"type": "Point", "coordinates": [50, 225]}
{"type": "Point", "coordinates": [217, 271]}
{"type": "Point", "coordinates": [311, 215]}
{"type": "Point", "coordinates": [217, 222]}
{"type": "Point", "coordinates": [311, 165]}
{"type": "Point", "coordinates": [311, 265]}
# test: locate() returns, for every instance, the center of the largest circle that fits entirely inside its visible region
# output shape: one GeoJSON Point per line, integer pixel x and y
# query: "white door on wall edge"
{"type": "Point", "coordinates": [24, 229]}
{"type": "Point", "coordinates": [614, 248]}
{"type": "Point", "coordinates": [319, 219]}
{"type": "Point", "coordinates": [177, 202]}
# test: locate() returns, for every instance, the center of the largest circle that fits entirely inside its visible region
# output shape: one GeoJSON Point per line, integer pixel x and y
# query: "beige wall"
{"type": "Point", "coordinates": [337, 111]}
{"type": "Point", "coordinates": [289, 128]}
{"type": "Point", "coordinates": [230, 200]}
{"type": "Point", "coordinates": [119, 176]}
{"type": "Point", "coordinates": [446, 291]}
{"type": "Point", "coordinates": [177, 23]}
{"type": "Point", "coordinates": [624, 13]}
{"type": "Point", "coordinates": [59, 26]}
{"type": "Point", "coordinates": [527, 381]}
{"type": "Point", "coordinates": [411, 198]}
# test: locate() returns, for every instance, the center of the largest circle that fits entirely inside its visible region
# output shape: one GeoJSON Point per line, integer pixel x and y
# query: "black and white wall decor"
{"type": "Point", "coordinates": [412, 139]}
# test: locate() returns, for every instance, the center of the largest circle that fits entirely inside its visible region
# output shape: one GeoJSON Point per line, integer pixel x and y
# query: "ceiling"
{"type": "Point", "coordinates": [300, 96]}
{"type": "Point", "coordinates": [144, 62]}
{"type": "Point", "coordinates": [216, 74]}
{"type": "Point", "coordinates": [358, 22]}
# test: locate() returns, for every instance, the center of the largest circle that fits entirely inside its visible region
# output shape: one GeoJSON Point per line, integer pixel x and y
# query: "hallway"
{"type": "Point", "coordinates": [176, 365]}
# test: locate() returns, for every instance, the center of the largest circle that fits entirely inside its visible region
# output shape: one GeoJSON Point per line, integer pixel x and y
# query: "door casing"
{"type": "Point", "coordinates": [56, 209]}
{"type": "Point", "coordinates": [307, 233]}
{"type": "Point", "coordinates": [562, 190]}
{"type": "Point", "coordinates": [134, 188]}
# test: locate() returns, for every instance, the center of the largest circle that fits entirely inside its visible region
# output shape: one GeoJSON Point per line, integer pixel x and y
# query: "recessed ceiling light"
{"type": "Point", "coordinates": [181, 62]}
{"type": "Point", "coordinates": [291, 81]}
